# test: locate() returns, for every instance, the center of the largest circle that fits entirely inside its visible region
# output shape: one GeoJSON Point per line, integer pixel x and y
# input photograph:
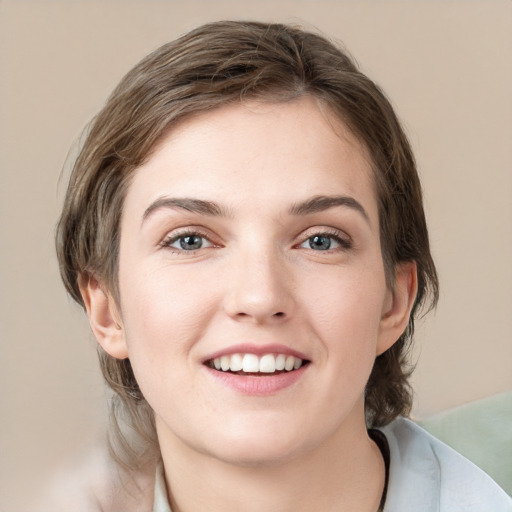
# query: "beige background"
{"type": "Point", "coordinates": [447, 66]}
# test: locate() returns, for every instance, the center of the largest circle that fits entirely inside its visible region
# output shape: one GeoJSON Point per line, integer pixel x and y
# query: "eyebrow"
{"type": "Point", "coordinates": [313, 205]}
{"type": "Point", "coordinates": [188, 204]}
{"type": "Point", "coordinates": [322, 203]}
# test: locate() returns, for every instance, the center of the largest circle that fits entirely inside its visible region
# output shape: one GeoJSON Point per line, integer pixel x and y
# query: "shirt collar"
{"type": "Point", "coordinates": [161, 500]}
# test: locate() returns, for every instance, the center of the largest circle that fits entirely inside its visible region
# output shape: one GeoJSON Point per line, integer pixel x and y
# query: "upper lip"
{"type": "Point", "coordinates": [258, 350]}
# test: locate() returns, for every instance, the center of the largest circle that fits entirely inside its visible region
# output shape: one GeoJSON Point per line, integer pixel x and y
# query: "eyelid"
{"type": "Point", "coordinates": [178, 233]}
{"type": "Point", "coordinates": [340, 236]}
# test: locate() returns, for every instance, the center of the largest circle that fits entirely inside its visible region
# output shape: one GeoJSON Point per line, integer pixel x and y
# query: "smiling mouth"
{"type": "Point", "coordinates": [251, 364]}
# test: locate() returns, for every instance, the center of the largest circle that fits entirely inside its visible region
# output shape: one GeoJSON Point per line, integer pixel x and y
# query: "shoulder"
{"type": "Point", "coordinates": [427, 475]}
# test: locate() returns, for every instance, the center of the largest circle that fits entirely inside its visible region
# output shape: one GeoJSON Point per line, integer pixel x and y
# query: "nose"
{"type": "Point", "coordinates": [260, 288]}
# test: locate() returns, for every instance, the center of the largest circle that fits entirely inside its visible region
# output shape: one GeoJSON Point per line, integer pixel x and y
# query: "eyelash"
{"type": "Point", "coordinates": [345, 243]}
{"type": "Point", "coordinates": [169, 240]}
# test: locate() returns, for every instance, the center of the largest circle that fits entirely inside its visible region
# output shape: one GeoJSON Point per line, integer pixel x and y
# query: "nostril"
{"type": "Point", "coordinates": [279, 313]}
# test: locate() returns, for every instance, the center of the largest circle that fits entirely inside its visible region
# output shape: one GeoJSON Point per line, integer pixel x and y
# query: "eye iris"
{"type": "Point", "coordinates": [191, 242]}
{"type": "Point", "coordinates": [320, 242]}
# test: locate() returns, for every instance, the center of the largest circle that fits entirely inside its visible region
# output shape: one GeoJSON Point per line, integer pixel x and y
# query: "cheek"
{"type": "Point", "coordinates": [164, 315]}
{"type": "Point", "coordinates": [347, 305]}
{"type": "Point", "coordinates": [349, 332]}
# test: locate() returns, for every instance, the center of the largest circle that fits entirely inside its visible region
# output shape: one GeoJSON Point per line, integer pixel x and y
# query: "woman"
{"type": "Point", "coordinates": [244, 227]}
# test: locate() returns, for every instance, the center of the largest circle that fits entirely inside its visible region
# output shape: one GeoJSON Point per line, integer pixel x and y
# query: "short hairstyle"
{"type": "Point", "coordinates": [224, 63]}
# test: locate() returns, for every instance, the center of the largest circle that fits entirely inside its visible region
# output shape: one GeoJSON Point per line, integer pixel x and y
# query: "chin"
{"type": "Point", "coordinates": [262, 446]}
{"type": "Point", "coordinates": [258, 455]}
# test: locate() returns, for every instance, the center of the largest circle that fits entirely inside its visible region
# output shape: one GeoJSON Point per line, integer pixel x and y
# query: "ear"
{"type": "Point", "coordinates": [103, 316]}
{"type": "Point", "coordinates": [398, 306]}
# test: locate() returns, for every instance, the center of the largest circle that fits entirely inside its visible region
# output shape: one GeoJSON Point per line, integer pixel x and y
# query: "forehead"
{"type": "Point", "coordinates": [251, 151]}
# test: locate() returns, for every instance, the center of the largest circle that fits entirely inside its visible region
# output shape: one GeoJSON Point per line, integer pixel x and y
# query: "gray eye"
{"type": "Point", "coordinates": [323, 242]}
{"type": "Point", "coordinates": [187, 242]}
{"type": "Point", "coordinates": [320, 242]}
{"type": "Point", "coordinates": [190, 242]}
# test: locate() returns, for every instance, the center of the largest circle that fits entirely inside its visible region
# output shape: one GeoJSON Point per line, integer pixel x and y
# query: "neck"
{"type": "Point", "coordinates": [345, 473]}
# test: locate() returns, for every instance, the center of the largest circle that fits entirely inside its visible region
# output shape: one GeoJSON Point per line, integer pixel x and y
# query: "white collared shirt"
{"type": "Point", "coordinates": [425, 475]}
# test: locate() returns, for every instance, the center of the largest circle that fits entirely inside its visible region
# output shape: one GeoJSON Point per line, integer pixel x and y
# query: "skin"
{"type": "Point", "coordinates": [256, 280]}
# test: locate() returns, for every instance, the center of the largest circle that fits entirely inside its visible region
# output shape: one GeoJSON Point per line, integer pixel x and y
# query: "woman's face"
{"type": "Point", "coordinates": [249, 241]}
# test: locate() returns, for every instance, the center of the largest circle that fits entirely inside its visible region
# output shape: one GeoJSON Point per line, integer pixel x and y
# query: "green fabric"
{"type": "Point", "coordinates": [482, 432]}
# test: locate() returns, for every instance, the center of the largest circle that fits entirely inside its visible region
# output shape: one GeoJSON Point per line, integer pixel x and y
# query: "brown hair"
{"type": "Point", "coordinates": [222, 63]}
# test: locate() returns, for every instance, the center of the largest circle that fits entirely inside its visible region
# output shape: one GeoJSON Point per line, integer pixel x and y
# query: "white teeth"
{"type": "Point", "coordinates": [280, 362]}
{"type": "Point", "coordinates": [268, 364]}
{"type": "Point", "coordinates": [224, 363]}
{"type": "Point", "coordinates": [236, 363]}
{"type": "Point", "coordinates": [251, 363]}
{"type": "Point", "coordinates": [289, 364]}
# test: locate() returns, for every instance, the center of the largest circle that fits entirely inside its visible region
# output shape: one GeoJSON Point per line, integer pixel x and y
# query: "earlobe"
{"type": "Point", "coordinates": [398, 306]}
{"type": "Point", "coordinates": [103, 316]}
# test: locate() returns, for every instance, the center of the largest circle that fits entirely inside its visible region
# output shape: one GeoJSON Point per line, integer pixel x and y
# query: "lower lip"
{"type": "Point", "coordinates": [266, 385]}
